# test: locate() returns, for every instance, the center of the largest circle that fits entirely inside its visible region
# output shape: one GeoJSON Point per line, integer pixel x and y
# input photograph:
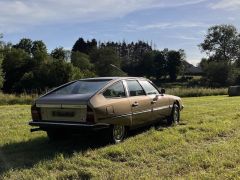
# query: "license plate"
{"type": "Point", "coordinates": [62, 114]}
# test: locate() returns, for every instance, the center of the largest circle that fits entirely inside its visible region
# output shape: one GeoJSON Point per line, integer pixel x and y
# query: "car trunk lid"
{"type": "Point", "coordinates": [69, 108]}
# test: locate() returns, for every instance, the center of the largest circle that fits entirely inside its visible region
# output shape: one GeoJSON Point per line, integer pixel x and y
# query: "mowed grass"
{"type": "Point", "coordinates": [206, 145]}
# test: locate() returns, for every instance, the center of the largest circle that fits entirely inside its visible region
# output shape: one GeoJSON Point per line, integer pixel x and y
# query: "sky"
{"type": "Point", "coordinates": [172, 24]}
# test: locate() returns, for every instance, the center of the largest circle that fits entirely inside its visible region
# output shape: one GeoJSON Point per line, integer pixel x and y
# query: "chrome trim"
{"type": "Point", "coordinates": [161, 108]}
{"type": "Point", "coordinates": [73, 106]}
{"type": "Point", "coordinates": [49, 105]}
{"type": "Point", "coordinates": [120, 116]}
{"type": "Point", "coordinates": [140, 112]}
{"type": "Point", "coordinates": [66, 124]}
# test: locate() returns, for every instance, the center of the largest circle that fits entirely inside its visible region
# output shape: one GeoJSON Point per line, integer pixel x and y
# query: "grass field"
{"type": "Point", "coordinates": [206, 145]}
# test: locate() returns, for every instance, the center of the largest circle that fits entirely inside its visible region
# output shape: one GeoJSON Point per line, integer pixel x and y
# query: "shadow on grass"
{"type": "Point", "coordinates": [26, 154]}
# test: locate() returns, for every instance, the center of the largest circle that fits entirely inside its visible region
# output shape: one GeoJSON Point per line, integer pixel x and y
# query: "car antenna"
{"type": "Point", "coordinates": [118, 69]}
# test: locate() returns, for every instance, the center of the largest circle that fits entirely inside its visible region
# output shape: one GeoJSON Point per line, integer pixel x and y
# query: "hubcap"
{"type": "Point", "coordinates": [118, 132]}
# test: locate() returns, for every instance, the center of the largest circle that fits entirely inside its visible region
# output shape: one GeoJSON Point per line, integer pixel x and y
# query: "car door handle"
{"type": "Point", "coordinates": [135, 104]}
{"type": "Point", "coordinates": [153, 101]}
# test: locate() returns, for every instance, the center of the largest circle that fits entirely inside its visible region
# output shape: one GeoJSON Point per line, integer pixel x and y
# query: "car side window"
{"type": "Point", "coordinates": [115, 90]}
{"type": "Point", "coordinates": [134, 88]}
{"type": "Point", "coordinates": [148, 87]}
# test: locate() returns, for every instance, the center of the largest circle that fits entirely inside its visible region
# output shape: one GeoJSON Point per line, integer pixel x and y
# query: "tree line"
{"type": "Point", "coordinates": [28, 67]}
{"type": "Point", "coordinates": [222, 65]}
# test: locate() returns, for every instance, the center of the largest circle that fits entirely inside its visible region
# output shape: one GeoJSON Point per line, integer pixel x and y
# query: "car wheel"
{"type": "Point", "coordinates": [175, 116]}
{"type": "Point", "coordinates": [118, 133]}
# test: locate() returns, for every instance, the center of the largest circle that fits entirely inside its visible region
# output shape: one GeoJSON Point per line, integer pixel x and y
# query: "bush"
{"type": "Point", "coordinates": [9, 99]}
{"type": "Point", "coordinates": [196, 92]}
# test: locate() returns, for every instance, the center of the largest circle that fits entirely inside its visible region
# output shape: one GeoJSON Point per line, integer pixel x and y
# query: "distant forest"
{"type": "Point", "coordinates": [28, 67]}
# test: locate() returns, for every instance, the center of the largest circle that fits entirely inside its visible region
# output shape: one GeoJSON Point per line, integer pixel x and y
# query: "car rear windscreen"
{"type": "Point", "coordinates": [81, 87]}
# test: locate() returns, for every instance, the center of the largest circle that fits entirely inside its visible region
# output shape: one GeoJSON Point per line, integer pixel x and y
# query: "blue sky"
{"type": "Point", "coordinates": [172, 24]}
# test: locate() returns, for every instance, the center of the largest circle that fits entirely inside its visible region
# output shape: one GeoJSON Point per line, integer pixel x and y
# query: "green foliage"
{"type": "Point", "coordinates": [10, 99]}
{"type": "Point", "coordinates": [174, 62]}
{"type": "Point", "coordinates": [204, 146]}
{"type": "Point", "coordinates": [48, 75]}
{"type": "Point", "coordinates": [196, 92]}
{"type": "Point", "coordinates": [84, 47]}
{"type": "Point", "coordinates": [1, 73]}
{"type": "Point", "coordinates": [103, 58]}
{"type": "Point", "coordinates": [146, 65]}
{"type": "Point", "coordinates": [28, 67]}
{"type": "Point", "coordinates": [160, 64]}
{"type": "Point", "coordinates": [15, 64]}
{"type": "Point", "coordinates": [222, 43]}
{"type": "Point", "coordinates": [58, 53]}
{"type": "Point", "coordinates": [39, 49]}
{"type": "Point", "coordinates": [82, 61]}
{"type": "Point", "coordinates": [216, 73]}
{"type": "Point", "coordinates": [25, 44]}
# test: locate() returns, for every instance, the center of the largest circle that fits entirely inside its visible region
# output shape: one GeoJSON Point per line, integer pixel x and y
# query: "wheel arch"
{"type": "Point", "coordinates": [177, 103]}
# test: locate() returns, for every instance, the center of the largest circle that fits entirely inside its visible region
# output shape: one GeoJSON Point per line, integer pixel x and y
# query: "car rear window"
{"type": "Point", "coordinates": [81, 87]}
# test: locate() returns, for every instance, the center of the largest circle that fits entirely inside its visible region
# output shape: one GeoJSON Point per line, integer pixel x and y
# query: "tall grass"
{"type": "Point", "coordinates": [9, 99]}
{"type": "Point", "coordinates": [196, 92]}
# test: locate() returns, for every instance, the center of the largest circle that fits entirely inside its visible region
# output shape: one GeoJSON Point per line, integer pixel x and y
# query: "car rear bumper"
{"type": "Point", "coordinates": [43, 125]}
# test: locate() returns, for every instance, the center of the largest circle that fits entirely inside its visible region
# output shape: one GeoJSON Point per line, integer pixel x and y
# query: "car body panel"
{"type": "Point", "coordinates": [161, 106]}
{"type": "Point", "coordinates": [111, 110]}
{"type": "Point", "coordinates": [142, 111]}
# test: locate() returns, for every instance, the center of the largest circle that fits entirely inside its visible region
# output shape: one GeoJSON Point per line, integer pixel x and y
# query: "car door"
{"type": "Point", "coordinates": [140, 103]}
{"type": "Point", "coordinates": [113, 106]}
{"type": "Point", "coordinates": [160, 102]}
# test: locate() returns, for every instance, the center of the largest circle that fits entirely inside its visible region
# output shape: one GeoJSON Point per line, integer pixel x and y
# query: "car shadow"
{"type": "Point", "coordinates": [26, 154]}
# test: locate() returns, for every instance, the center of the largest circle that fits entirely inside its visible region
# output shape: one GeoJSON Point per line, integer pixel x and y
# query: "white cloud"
{"type": "Point", "coordinates": [18, 14]}
{"type": "Point", "coordinates": [163, 25]}
{"type": "Point", "coordinates": [226, 4]}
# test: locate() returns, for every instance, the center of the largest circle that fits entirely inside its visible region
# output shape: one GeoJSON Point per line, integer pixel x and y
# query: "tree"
{"type": "Point", "coordinates": [59, 53]}
{"type": "Point", "coordinates": [1, 72]}
{"type": "Point", "coordinates": [38, 48]}
{"type": "Point", "coordinates": [174, 62]}
{"type": "Point", "coordinates": [160, 64]}
{"type": "Point", "coordinates": [25, 44]}
{"type": "Point", "coordinates": [15, 64]}
{"type": "Point", "coordinates": [84, 47]}
{"type": "Point", "coordinates": [103, 58]}
{"type": "Point", "coordinates": [216, 73]}
{"type": "Point", "coordinates": [222, 43]}
{"type": "Point", "coordinates": [1, 59]}
{"type": "Point", "coordinates": [146, 65]}
{"type": "Point", "coordinates": [81, 60]}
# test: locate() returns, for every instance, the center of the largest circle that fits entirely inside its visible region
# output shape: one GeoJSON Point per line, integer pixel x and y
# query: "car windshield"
{"type": "Point", "coordinates": [81, 87]}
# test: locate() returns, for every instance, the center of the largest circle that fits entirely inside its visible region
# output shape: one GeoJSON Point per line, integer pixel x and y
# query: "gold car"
{"type": "Point", "coordinates": [116, 104]}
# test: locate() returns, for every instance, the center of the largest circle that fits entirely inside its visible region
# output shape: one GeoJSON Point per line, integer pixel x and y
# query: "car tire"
{"type": "Point", "coordinates": [117, 133]}
{"type": "Point", "coordinates": [174, 118]}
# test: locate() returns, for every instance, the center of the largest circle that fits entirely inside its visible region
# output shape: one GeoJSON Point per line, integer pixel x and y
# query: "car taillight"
{"type": "Point", "coordinates": [36, 114]}
{"type": "Point", "coordinates": [90, 115]}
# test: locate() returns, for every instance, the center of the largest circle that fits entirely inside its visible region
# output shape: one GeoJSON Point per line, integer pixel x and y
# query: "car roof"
{"type": "Point", "coordinates": [112, 78]}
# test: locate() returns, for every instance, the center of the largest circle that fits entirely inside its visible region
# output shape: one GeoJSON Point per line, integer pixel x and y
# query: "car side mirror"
{"type": "Point", "coordinates": [163, 91]}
